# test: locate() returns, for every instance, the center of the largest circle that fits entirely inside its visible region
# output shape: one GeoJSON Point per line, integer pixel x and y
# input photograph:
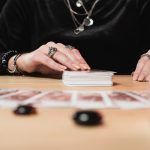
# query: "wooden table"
{"type": "Point", "coordinates": [54, 129]}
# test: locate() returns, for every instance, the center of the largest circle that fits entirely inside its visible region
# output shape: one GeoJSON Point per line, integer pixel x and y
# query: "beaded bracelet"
{"type": "Point", "coordinates": [5, 58]}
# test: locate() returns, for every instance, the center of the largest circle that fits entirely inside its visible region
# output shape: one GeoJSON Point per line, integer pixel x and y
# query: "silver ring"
{"type": "Point", "coordinates": [52, 51]}
{"type": "Point", "coordinates": [69, 47]}
{"type": "Point", "coordinates": [146, 54]}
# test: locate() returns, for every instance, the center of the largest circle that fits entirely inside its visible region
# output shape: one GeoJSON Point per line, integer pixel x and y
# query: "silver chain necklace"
{"type": "Point", "coordinates": [87, 21]}
{"type": "Point", "coordinates": [71, 10]}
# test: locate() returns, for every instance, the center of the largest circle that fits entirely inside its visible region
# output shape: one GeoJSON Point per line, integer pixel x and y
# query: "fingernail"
{"type": "Point", "coordinates": [89, 68]}
{"type": "Point", "coordinates": [62, 68]}
{"type": "Point", "coordinates": [140, 78]}
{"type": "Point", "coordinates": [85, 66]}
{"type": "Point", "coordinates": [76, 66]}
{"type": "Point", "coordinates": [134, 77]}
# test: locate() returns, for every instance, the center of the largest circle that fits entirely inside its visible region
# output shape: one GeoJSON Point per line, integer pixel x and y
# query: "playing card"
{"type": "Point", "coordinates": [90, 100]}
{"type": "Point", "coordinates": [54, 98]}
{"type": "Point", "coordinates": [4, 92]}
{"type": "Point", "coordinates": [142, 94]}
{"type": "Point", "coordinates": [15, 98]}
{"type": "Point", "coordinates": [124, 99]}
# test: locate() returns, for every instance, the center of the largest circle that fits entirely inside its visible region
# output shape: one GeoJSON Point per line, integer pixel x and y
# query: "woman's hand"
{"type": "Point", "coordinates": [40, 60]}
{"type": "Point", "coordinates": [142, 71]}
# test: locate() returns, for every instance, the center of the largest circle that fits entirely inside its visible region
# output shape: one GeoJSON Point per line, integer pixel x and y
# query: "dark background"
{"type": "Point", "coordinates": [2, 2]}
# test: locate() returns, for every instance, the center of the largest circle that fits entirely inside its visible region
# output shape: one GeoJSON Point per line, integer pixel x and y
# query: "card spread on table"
{"type": "Point", "coordinates": [76, 99]}
{"type": "Point", "coordinates": [124, 99]}
{"type": "Point", "coordinates": [53, 99]}
{"type": "Point", "coordinates": [88, 78]}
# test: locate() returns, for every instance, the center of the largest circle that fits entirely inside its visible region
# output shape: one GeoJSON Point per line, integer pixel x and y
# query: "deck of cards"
{"type": "Point", "coordinates": [88, 78]}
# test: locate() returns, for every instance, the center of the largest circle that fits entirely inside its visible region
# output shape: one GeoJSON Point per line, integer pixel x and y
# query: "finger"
{"type": "Point", "coordinates": [52, 64]}
{"type": "Point", "coordinates": [75, 55]}
{"type": "Point", "coordinates": [142, 76]}
{"type": "Point", "coordinates": [145, 72]}
{"type": "Point", "coordinates": [68, 51]}
{"type": "Point", "coordinates": [61, 47]}
{"type": "Point", "coordinates": [147, 78]}
{"type": "Point", "coordinates": [78, 55]}
{"type": "Point", "coordinates": [139, 68]}
{"type": "Point", "coordinates": [41, 59]}
{"type": "Point", "coordinates": [62, 58]}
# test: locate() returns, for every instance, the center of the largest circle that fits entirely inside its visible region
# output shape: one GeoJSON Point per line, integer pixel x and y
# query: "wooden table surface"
{"type": "Point", "coordinates": [54, 129]}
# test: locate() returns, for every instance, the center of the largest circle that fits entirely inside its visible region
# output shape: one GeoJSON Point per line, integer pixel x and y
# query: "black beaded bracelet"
{"type": "Point", "coordinates": [5, 58]}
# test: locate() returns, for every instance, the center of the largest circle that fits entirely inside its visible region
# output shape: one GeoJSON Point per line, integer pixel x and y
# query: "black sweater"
{"type": "Point", "coordinates": [119, 35]}
{"type": "Point", "coordinates": [2, 3]}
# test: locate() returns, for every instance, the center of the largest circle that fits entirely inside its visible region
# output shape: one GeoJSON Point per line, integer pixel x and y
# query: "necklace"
{"type": "Point", "coordinates": [71, 10]}
{"type": "Point", "coordinates": [87, 21]}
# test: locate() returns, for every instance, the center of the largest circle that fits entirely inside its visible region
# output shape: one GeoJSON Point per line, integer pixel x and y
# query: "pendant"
{"type": "Point", "coordinates": [79, 3]}
{"type": "Point", "coordinates": [88, 21]}
{"type": "Point", "coordinates": [79, 29]}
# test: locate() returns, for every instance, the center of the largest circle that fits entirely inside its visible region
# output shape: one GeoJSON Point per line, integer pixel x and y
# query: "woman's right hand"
{"type": "Point", "coordinates": [39, 60]}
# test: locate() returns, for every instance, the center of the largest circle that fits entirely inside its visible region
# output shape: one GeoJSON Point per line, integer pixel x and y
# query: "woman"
{"type": "Point", "coordinates": [49, 36]}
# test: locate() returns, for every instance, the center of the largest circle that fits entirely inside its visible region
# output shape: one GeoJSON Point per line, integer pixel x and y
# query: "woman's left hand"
{"type": "Point", "coordinates": [142, 71]}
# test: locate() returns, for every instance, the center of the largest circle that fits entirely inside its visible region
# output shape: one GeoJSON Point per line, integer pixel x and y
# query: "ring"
{"type": "Point", "coordinates": [52, 51]}
{"type": "Point", "coordinates": [146, 54]}
{"type": "Point", "coordinates": [69, 47]}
